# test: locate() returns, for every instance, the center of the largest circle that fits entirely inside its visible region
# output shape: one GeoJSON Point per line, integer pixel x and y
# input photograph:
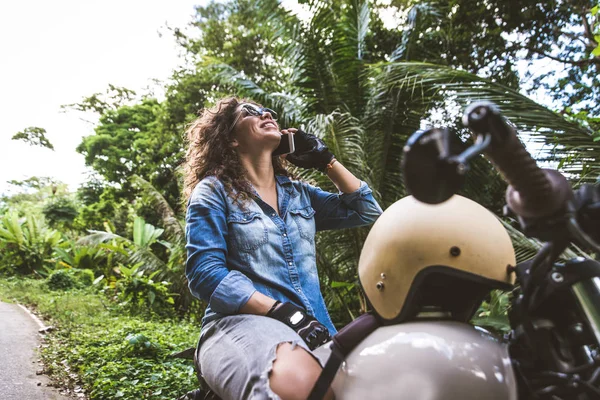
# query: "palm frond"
{"type": "Point", "coordinates": [421, 14]}
{"type": "Point", "coordinates": [564, 140]}
{"type": "Point", "coordinates": [173, 226]}
{"type": "Point", "coordinates": [345, 137]}
{"type": "Point", "coordinates": [136, 254]}
{"type": "Point", "coordinates": [288, 105]}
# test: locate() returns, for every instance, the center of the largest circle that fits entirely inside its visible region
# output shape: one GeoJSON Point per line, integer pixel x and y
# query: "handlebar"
{"type": "Point", "coordinates": [533, 192]}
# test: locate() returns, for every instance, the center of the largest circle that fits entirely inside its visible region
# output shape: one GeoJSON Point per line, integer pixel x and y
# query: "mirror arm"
{"type": "Point", "coordinates": [482, 142]}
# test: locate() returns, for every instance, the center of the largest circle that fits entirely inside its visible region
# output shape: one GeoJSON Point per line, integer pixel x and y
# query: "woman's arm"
{"type": "Point", "coordinates": [206, 267]}
{"type": "Point", "coordinates": [355, 206]}
{"type": "Point", "coordinates": [343, 179]}
{"type": "Point", "coordinates": [346, 210]}
{"type": "Point", "coordinates": [258, 304]}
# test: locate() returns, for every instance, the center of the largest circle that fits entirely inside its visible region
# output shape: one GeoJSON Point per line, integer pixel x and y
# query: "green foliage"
{"type": "Point", "coordinates": [114, 97]}
{"type": "Point", "coordinates": [138, 345]}
{"type": "Point", "coordinates": [60, 212]}
{"type": "Point", "coordinates": [85, 277]}
{"type": "Point", "coordinates": [110, 207]}
{"type": "Point", "coordinates": [110, 354]}
{"type": "Point", "coordinates": [141, 254]}
{"type": "Point", "coordinates": [596, 29]}
{"type": "Point", "coordinates": [64, 279]}
{"type": "Point", "coordinates": [140, 294]}
{"type": "Point", "coordinates": [34, 136]}
{"type": "Point", "coordinates": [61, 280]}
{"type": "Point", "coordinates": [71, 255]}
{"type": "Point", "coordinates": [33, 194]}
{"type": "Point", "coordinates": [35, 182]}
{"type": "Point", "coordinates": [130, 140]}
{"type": "Point", "coordinates": [144, 235]}
{"type": "Point", "coordinates": [493, 313]}
{"type": "Point", "coordinates": [26, 245]}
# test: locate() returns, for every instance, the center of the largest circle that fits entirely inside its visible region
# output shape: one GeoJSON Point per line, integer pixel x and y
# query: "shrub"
{"type": "Point", "coordinates": [26, 245]}
{"type": "Point", "coordinates": [138, 345]}
{"type": "Point", "coordinates": [84, 277]}
{"type": "Point", "coordinates": [61, 280]}
{"type": "Point", "coordinates": [60, 212]}
{"type": "Point", "coordinates": [140, 294]}
{"type": "Point", "coordinates": [64, 279]}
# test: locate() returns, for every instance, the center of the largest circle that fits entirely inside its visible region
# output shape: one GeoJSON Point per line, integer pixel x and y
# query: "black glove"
{"type": "Point", "coordinates": [308, 328]}
{"type": "Point", "coordinates": [310, 152]}
{"type": "Point", "coordinates": [588, 206]}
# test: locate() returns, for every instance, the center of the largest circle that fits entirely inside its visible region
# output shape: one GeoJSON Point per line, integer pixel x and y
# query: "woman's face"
{"type": "Point", "coordinates": [255, 133]}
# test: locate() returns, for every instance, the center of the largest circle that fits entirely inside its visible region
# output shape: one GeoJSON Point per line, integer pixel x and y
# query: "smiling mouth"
{"type": "Point", "coordinates": [267, 124]}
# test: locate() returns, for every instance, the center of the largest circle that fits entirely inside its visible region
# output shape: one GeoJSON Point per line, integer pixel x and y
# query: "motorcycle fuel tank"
{"type": "Point", "coordinates": [427, 360]}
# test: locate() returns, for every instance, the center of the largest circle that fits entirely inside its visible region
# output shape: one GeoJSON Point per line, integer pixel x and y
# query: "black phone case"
{"type": "Point", "coordinates": [284, 145]}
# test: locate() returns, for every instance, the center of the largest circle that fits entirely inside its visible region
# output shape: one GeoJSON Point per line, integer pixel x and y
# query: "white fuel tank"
{"type": "Point", "coordinates": [426, 360]}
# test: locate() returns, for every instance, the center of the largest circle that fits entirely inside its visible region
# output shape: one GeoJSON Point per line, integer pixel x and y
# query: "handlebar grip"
{"type": "Point", "coordinates": [533, 192]}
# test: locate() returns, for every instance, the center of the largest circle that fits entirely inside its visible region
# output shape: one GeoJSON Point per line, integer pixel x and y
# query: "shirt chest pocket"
{"type": "Point", "coordinates": [305, 221]}
{"type": "Point", "coordinates": [247, 231]}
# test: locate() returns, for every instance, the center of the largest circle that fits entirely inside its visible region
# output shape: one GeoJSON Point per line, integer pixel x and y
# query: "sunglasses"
{"type": "Point", "coordinates": [251, 109]}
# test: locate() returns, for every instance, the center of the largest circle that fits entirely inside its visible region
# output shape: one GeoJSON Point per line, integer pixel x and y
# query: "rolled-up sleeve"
{"type": "Point", "coordinates": [206, 268]}
{"type": "Point", "coordinates": [346, 210]}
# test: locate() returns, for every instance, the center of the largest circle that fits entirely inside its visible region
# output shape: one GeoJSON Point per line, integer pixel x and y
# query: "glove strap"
{"type": "Point", "coordinates": [273, 307]}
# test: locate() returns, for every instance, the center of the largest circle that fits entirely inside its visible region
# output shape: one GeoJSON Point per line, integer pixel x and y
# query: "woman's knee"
{"type": "Point", "coordinates": [294, 372]}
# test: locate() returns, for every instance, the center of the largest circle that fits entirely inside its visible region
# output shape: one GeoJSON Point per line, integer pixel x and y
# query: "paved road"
{"type": "Point", "coordinates": [19, 339]}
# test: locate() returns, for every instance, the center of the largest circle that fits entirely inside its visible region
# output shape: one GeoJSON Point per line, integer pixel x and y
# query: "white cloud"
{"type": "Point", "coordinates": [56, 53]}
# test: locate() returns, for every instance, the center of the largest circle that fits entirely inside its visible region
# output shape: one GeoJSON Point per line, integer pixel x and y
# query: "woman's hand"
{"type": "Point", "coordinates": [310, 151]}
{"type": "Point", "coordinates": [308, 328]}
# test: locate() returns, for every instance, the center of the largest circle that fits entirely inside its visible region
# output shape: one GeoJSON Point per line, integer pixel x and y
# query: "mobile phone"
{"type": "Point", "coordinates": [286, 146]}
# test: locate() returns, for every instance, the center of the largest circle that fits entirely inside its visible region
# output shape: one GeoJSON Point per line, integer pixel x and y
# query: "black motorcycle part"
{"type": "Point", "coordinates": [560, 277]}
{"type": "Point", "coordinates": [533, 192]}
{"type": "Point", "coordinates": [430, 174]}
{"type": "Point", "coordinates": [551, 342]}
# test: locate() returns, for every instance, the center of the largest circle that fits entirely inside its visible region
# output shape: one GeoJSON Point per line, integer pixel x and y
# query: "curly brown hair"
{"type": "Point", "coordinates": [210, 152]}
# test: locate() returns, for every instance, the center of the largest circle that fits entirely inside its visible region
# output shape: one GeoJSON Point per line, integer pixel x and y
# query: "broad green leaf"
{"type": "Point", "coordinates": [342, 284]}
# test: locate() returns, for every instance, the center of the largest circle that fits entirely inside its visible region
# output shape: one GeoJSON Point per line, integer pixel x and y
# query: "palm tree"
{"type": "Point", "coordinates": [365, 109]}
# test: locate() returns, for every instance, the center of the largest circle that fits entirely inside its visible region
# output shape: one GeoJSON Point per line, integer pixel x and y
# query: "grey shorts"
{"type": "Point", "coordinates": [237, 353]}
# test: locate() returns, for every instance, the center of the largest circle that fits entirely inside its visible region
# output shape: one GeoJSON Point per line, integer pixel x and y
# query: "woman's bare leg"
{"type": "Point", "coordinates": [294, 373]}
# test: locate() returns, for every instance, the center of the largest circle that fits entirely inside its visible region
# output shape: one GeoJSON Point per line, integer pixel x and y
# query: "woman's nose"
{"type": "Point", "coordinates": [265, 114]}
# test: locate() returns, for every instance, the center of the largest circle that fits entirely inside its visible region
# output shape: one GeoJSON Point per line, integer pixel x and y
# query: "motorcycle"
{"type": "Point", "coordinates": [417, 342]}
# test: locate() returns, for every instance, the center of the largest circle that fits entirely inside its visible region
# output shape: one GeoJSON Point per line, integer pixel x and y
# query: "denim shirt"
{"type": "Point", "coordinates": [233, 251]}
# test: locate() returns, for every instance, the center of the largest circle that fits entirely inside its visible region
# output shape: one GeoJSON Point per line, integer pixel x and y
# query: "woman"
{"type": "Point", "coordinates": [251, 253]}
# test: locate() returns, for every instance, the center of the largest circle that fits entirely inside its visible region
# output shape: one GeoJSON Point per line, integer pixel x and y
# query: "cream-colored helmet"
{"type": "Point", "coordinates": [447, 256]}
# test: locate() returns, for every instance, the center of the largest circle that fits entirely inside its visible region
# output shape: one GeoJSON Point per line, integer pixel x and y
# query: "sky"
{"type": "Point", "coordinates": [58, 52]}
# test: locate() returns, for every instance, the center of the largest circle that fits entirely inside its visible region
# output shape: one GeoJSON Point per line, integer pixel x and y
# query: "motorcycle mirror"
{"type": "Point", "coordinates": [430, 173]}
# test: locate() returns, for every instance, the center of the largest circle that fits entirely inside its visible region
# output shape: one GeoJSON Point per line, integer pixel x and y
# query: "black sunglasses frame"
{"type": "Point", "coordinates": [254, 110]}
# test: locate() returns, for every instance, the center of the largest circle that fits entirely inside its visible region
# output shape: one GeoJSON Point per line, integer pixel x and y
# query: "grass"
{"type": "Point", "coordinates": [99, 348]}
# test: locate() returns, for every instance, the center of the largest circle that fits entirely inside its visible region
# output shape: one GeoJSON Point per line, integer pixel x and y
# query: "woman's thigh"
{"type": "Point", "coordinates": [237, 355]}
